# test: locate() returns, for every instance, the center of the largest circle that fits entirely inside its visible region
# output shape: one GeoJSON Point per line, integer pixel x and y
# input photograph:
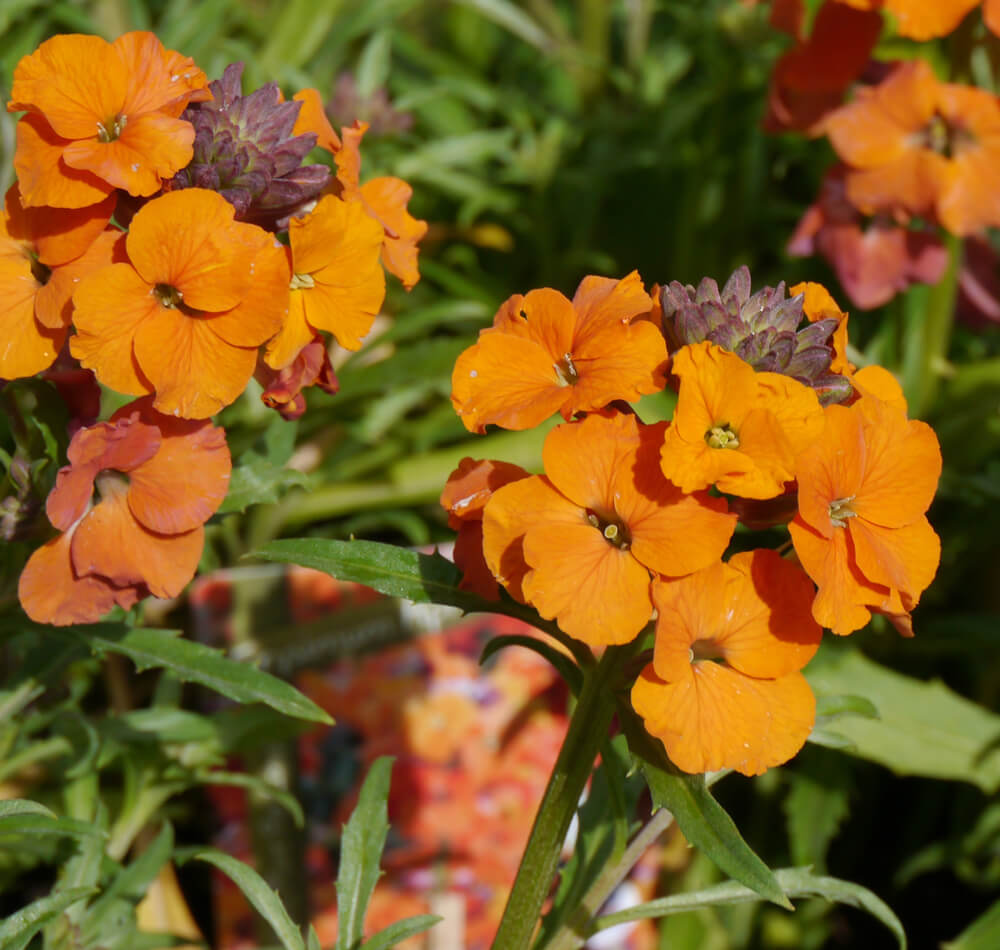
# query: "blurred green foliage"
{"type": "Point", "coordinates": [546, 140]}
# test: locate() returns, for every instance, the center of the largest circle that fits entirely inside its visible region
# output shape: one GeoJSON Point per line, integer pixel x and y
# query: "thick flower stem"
{"type": "Point", "coordinates": [587, 729]}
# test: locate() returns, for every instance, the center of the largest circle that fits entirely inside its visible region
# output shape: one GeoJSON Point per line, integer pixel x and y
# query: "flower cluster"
{"type": "Point", "coordinates": [630, 523]}
{"type": "Point", "coordinates": [915, 154]}
{"type": "Point", "coordinates": [165, 236]}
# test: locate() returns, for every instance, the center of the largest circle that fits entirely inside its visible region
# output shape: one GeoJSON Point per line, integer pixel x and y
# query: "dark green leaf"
{"type": "Point", "coordinates": [704, 822]}
{"type": "Point", "coordinates": [197, 663]}
{"type": "Point", "coordinates": [361, 854]}
{"type": "Point", "coordinates": [566, 668]}
{"type": "Point", "coordinates": [255, 889]}
{"type": "Point", "coordinates": [982, 934]}
{"type": "Point", "coordinates": [796, 882]}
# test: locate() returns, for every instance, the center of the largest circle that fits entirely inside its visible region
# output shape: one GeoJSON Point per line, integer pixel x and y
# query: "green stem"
{"type": "Point", "coordinates": [587, 729]}
{"type": "Point", "coordinates": [926, 342]}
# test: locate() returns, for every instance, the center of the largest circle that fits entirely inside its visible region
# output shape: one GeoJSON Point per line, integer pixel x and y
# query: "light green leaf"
{"type": "Point", "coordinates": [20, 927]}
{"type": "Point", "coordinates": [816, 805]}
{"type": "Point", "coordinates": [197, 663]}
{"type": "Point", "coordinates": [255, 889]}
{"type": "Point", "coordinates": [22, 806]}
{"type": "Point", "coordinates": [512, 17]}
{"type": "Point", "coordinates": [38, 824]}
{"type": "Point", "coordinates": [257, 481]}
{"type": "Point", "coordinates": [982, 934]}
{"type": "Point", "coordinates": [361, 853]}
{"type": "Point", "coordinates": [923, 728]}
{"type": "Point", "coordinates": [399, 931]}
{"type": "Point", "coordinates": [704, 822]}
{"type": "Point", "coordinates": [796, 882]}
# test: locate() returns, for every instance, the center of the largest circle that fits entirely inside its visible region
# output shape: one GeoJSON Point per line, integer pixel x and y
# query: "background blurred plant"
{"type": "Point", "coordinates": [546, 140]}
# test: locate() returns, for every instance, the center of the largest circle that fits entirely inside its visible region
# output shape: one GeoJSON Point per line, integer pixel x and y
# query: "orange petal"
{"type": "Point", "coordinates": [904, 559]}
{"type": "Point", "coordinates": [878, 383]}
{"type": "Point", "coordinates": [596, 592]}
{"type": "Point", "coordinates": [261, 314]}
{"type": "Point", "coordinates": [312, 118]}
{"type": "Point", "coordinates": [507, 381]}
{"type": "Point", "coordinates": [991, 16]}
{"type": "Point", "coordinates": [183, 484]}
{"type": "Point", "coordinates": [507, 516]}
{"type": "Point", "coordinates": [386, 200]}
{"type": "Point", "coordinates": [193, 371]}
{"type": "Point", "coordinates": [348, 159]}
{"type": "Point", "coordinates": [717, 718]}
{"type": "Point", "coordinates": [110, 542]}
{"type": "Point", "coordinates": [75, 81]}
{"type": "Point", "coordinates": [161, 80]}
{"type": "Point", "coordinates": [913, 184]}
{"type": "Point", "coordinates": [473, 483]}
{"type": "Point", "coordinates": [44, 178]}
{"type": "Point", "coordinates": [818, 304]}
{"type": "Point", "coordinates": [476, 575]}
{"type": "Point", "coordinates": [54, 303]}
{"type": "Point", "coordinates": [294, 334]}
{"type": "Point", "coordinates": [150, 148]}
{"type": "Point", "coordinates": [618, 361]}
{"type": "Point", "coordinates": [50, 592]}
{"type": "Point", "coordinates": [110, 306]}
{"type": "Point", "coordinates": [188, 240]}
{"type": "Point", "coordinates": [844, 594]}
{"type": "Point", "coordinates": [925, 21]}
{"type": "Point", "coordinates": [59, 235]}
{"type": "Point", "coordinates": [601, 302]}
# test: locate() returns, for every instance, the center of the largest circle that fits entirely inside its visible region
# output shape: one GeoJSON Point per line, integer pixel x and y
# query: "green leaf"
{"type": "Point", "coordinates": [20, 927]}
{"type": "Point", "coordinates": [796, 882]}
{"type": "Point", "coordinates": [22, 806]}
{"type": "Point", "coordinates": [361, 854]}
{"type": "Point", "coordinates": [704, 822]}
{"type": "Point", "coordinates": [255, 889]}
{"type": "Point", "coordinates": [923, 728]}
{"type": "Point", "coordinates": [312, 940]}
{"type": "Point", "coordinates": [197, 663]}
{"type": "Point", "coordinates": [400, 930]}
{"type": "Point", "coordinates": [817, 805]}
{"type": "Point", "coordinates": [982, 934]}
{"type": "Point", "coordinates": [39, 824]}
{"type": "Point", "coordinates": [257, 480]}
{"type": "Point", "coordinates": [509, 15]}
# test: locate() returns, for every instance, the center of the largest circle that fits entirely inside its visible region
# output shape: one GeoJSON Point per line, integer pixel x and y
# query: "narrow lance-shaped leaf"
{"type": "Point", "coordinates": [361, 854]}
{"type": "Point", "coordinates": [400, 930]}
{"type": "Point", "coordinates": [18, 929]}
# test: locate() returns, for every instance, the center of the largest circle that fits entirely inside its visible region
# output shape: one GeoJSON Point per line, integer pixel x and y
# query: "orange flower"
{"type": "Point", "coordinates": [818, 304]}
{"type": "Point", "coordinates": [580, 542]}
{"type": "Point", "coordinates": [158, 479]}
{"type": "Point", "coordinates": [43, 253]}
{"type": "Point", "coordinates": [753, 709]}
{"type": "Point", "coordinates": [811, 78]}
{"type": "Point", "coordinates": [734, 428]}
{"type": "Point", "coordinates": [927, 19]}
{"type": "Point", "coordinates": [861, 532]}
{"type": "Point", "coordinates": [919, 147]}
{"type": "Point", "coordinates": [101, 116]}
{"type": "Point", "coordinates": [465, 495]}
{"type": "Point", "coordinates": [546, 354]}
{"type": "Point", "coordinates": [312, 118]}
{"type": "Point", "coordinates": [184, 317]}
{"type": "Point", "coordinates": [385, 199]}
{"type": "Point", "coordinates": [337, 284]}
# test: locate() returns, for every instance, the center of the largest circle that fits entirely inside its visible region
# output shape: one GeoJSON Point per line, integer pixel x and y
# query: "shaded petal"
{"type": "Point", "coordinates": [54, 303]}
{"type": "Point", "coordinates": [261, 314]}
{"type": "Point", "coordinates": [620, 361]}
{"type": "Point", "coordinates": [602, 303]}
{"type": "Point", "coordinates": [905, 559]}
{"type": "Point", "coordinates": [159, 79]}
{"type": "Point", "coordinates": [193, 371]}
{"type": "Point", "coordinates": [715, 717]}
{"type": "Point", "coordinates": [27, 346]}
{"type": "Point", "coordinates": [109, 307]}
{"type": "Point", "coordinates": [110, 542]}
{"type": "Point", "coordinates": [596, 592]}
{"type": "Point", "coordinates": [59, 235]}
{"type": "Point", "coordinates": [312, 118]}
{"type": "Point", "coordinates": [473, 483]}
{"type": "Point", "coordinates": [44, 178]}
{"type": "Point", "coordinates": [50, 592]}
{"type": "Point", "coordinates": [294, 334]}
{"type": "Point", "coordinates": [469, 558]}
{"type": "Point", "coordinates": [386, 200]}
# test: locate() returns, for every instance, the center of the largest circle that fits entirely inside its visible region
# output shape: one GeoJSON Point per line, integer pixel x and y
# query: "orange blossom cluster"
{"type": "Point", "coordinates": [915, 154]}
{"type": "Point", "coordinates": [165, 236]}
{"type": "Point", "coordinates": [630, 522]}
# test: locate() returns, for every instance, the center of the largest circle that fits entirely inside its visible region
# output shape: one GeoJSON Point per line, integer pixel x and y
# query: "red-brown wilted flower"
{"type": "Point", "coordinates": [873, 262]}
{"type": "Point", "coordinates": [101, 116]}
{"type": "Point", "coordinates": [283, 388]}
{"type": "Point", "coordinates": [185, 316]}
{"type": "Point", "coordinates": [861, 533]}
{"type": "Point", "coordinates": [464, 497]}
{"type": "Point", "coordinates": [546, 354]}
{"type": "Point", "coordinates": [811, 78]}
{"type": "Point", "coordinates": [752, 709]}
{"type": "Point", "coordinates": [581, 542]}
{"type": "Point", "coordinates": [157, 480]}
{"type": "Point", "coordinates": [914, 146]}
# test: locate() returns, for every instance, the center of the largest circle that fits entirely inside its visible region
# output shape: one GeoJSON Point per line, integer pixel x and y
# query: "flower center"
{"type": "Point", "coordinates": [109, 483]}
{"type": "Point", "coordinates": [947, 139]}
{"type": "Point", "coordinates": [614, 530]}
{"type": "Point", "coordinates": [39, 271]}
{"type": "Point", "coordinates": [705, 649]}
{"type": "Point", "coordinates": [840, 511]}
{"type": "Point", "coordinates": [302, 282]}
{"type": "Point", "coordinates": [111, 129]}
{"type": "Point", "coordinates": [168, 296]}
{"type": "Point", "coordinates": [722, 436]}
{"type": "Point", "coordinates": [566, 370]}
